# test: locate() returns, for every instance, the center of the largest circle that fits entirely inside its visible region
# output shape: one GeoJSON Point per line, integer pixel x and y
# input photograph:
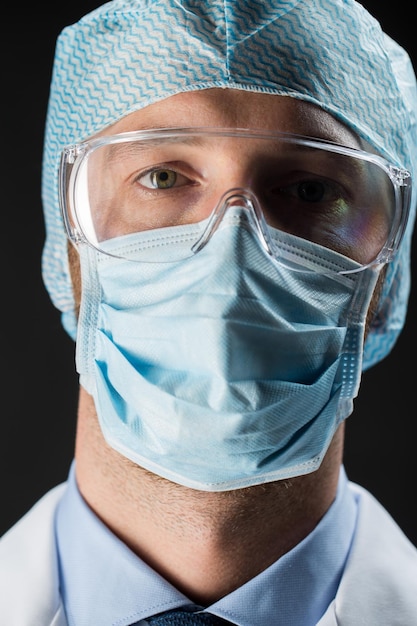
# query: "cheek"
{"type": "Point", "coordinates": [368, 234]}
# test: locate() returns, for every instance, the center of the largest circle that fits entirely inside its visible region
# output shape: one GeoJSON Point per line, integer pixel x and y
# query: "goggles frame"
{"type": "Point", "coordinates": [73, 157]}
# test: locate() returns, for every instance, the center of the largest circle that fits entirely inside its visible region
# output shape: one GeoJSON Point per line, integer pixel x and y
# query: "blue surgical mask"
{"type": "Point", "coordinates": [226, 369]}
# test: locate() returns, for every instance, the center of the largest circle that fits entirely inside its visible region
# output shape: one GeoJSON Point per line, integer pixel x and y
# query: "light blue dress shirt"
{"type": "Point", "coordinates": [103, 583]}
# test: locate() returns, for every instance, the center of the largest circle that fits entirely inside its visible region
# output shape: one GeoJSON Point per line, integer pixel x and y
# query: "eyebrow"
{"type": "Point", "coordinates": [136, 146]}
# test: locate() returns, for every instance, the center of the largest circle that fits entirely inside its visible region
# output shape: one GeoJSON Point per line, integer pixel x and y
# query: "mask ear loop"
{"type": "Point", "coordinates": [238, 198]}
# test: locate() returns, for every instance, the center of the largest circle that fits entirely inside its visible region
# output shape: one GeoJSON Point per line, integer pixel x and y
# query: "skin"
{"type": "Point", "coordinates": [207, 544]}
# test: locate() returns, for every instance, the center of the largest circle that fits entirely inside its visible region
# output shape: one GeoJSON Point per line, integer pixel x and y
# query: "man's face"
{"type": "Point", "coordinates": [312, 194]}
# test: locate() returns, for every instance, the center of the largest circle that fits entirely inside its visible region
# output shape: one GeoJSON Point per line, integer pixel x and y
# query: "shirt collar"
{"type": "Point", "coordinates": [103, 582]}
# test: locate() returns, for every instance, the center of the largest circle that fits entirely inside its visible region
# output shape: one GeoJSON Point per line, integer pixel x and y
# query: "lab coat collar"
{"type": "Point", "coordinates": [29, 593]}
{"type": "Point", "coordinates": [379, 585]}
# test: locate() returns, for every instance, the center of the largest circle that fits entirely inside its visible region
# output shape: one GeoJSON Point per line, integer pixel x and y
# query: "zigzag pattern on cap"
{"type": "Point", "coordinates": [128, 54]}
{"type": "Point", "coordinates": [113, 62]}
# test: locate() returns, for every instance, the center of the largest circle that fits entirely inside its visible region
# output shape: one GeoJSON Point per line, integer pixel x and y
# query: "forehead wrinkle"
{"type": "Point", "coordinates": [132, 147]}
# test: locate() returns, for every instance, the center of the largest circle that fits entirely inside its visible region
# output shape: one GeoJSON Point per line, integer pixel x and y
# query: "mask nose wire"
{"type": "Point", "coordinates": [252, 216]}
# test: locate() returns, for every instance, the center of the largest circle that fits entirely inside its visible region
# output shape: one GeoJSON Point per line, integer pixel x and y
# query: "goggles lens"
{"type": "Point", "coordinates": [348, 200]}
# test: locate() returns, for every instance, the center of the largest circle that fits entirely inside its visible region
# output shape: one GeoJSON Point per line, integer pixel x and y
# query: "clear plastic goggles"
{"type": "Point", "coordinates": [348, 200]}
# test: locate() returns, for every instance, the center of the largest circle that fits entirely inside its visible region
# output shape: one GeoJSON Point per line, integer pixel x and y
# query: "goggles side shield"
{"type": "Point", "coordinates": [154, 181]}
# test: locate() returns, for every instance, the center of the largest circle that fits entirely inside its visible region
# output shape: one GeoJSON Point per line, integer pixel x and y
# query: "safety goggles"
{"type": "Point", "coordinates": [347, 200]}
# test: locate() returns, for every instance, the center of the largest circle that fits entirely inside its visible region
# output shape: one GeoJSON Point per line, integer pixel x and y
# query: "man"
{"type": "Point", "coordinates": [227, 193]}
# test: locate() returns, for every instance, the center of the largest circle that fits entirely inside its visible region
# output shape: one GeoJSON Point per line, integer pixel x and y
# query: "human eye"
{"type": "Point", "coordinates": [311, 206]}
{"type": "Point", "coordinates": [319, 192]}
{"type": "Point", "coordinates": [162, 178]}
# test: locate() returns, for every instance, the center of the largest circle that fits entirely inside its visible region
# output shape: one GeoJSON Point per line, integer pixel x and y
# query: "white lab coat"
{"type": "Point", "coordinates": [378, 588]}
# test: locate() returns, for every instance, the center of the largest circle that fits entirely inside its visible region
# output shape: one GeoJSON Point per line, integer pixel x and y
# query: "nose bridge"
{"type": "Point", "coordinates": [246, 165]}
{"type": "Point", "coordinates": [240, 198]}
{"type": "Point", "coordinates": [246, 203]}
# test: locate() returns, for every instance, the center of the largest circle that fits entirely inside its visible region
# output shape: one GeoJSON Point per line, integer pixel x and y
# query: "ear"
{"type": "Point", "coordinates": [75, 272]}
{"type": "Point", "coordinates": [374, 304]}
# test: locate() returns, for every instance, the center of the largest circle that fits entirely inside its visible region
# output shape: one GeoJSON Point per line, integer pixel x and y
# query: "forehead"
{"type": "Point", "coordinates": [233, 108]}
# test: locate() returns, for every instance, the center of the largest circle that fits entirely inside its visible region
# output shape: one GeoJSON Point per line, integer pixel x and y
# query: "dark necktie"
{"type": "Point", "coordinates": [181, 617]}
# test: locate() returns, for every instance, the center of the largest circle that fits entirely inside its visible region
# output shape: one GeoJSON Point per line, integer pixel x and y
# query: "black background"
{"type": "Point", "coordinates": [39, 390]}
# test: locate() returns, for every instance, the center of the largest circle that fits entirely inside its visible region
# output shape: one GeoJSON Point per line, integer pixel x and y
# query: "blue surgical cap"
{"type": "Point", "coordinates": [128, 54]}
